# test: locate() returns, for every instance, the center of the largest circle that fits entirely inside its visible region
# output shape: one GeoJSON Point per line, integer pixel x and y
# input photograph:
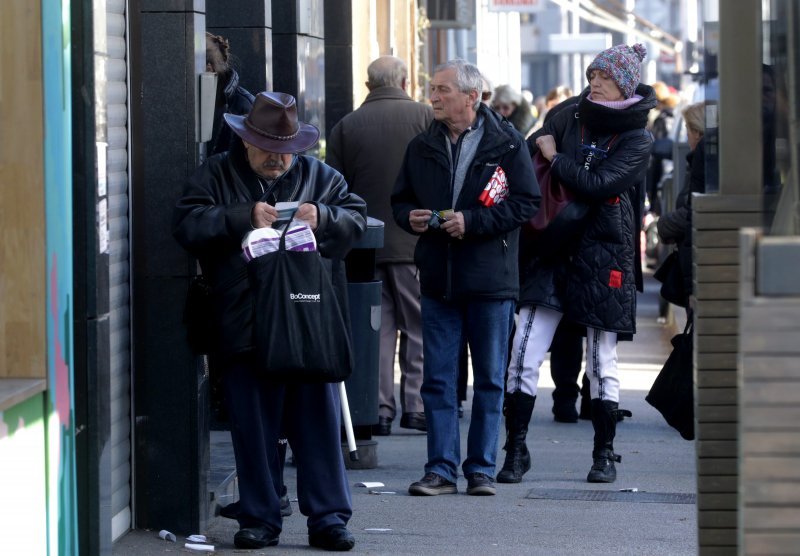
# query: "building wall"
{"type": "Point", "coordinates": [36, 384]}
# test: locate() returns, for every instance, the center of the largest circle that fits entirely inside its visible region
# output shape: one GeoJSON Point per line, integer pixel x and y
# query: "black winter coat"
{"type": "Point", "coordinates": [595, 284]}
{"type": "Point", "coordinates": [231, 99]}
{"type": "Point", "coordinates": [213, 216]}
{"type": "Point", "coordinates": [484, 263]}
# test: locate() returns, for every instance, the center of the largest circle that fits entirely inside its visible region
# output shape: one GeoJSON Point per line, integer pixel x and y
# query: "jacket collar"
{"type": "Point", "coordinates": [604, 120]}
{"type": "Point", "coordinates": [383, 93]}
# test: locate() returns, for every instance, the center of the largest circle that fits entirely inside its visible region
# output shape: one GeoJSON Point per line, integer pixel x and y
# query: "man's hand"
{"type": "Point", "coordinates": [263, 215]}
{"type": "Point", "coordinates": [307, 212]}
{"type": "Point", "coordinates": [547, 146]}
{"type": "Point", "coordinates": [418, 219]}
{"type": "Point", "coordinates": [454, 225]}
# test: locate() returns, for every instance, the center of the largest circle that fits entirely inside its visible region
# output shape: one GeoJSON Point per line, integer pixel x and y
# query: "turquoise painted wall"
{"type": "Point", "coordinates": [62, 519]}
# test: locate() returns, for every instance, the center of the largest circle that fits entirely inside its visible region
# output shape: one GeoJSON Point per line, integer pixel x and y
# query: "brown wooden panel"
{"type": "Point", "coordinates": [720, 361]}
{"type": "Point", "coordinates": [771, 518]}
{"type": "Point", "coordinates": [768, 367]}
{"type": "Point", "coordinates": [771, 542]}
{"type": "Point", "coordinates": [772, 417]}
{"type": "Point", "coordinates": [777, 468]}
{"type": "Point", "coordinates": [718, 483]}
{"type": "Point", "coordinates": [716, 467]}
{"type": "Point", "coordinates": [716, 326]}
{"type": "Point", "coordinates": [717, 396]}
{"type": "Point", "coordinates": [717, 308]}
{"type": "Point", "coordinates": [786, 442]}
{"type": "Point", "coordinates": [712, 378]}
{"type": "Point", "coordinates": [727, 220]}
{"type": "Point", "coordinates": [714, 202]}
{"type": "Point", "coordinates": [706, 291]}
{"type": "Point", "coordinates": [717, 255]}
{"type": "Point", "coordinates": [717, 343]}
{"type": "Point", "coordinates": [717, 501]}
{"type": "Point", "coordinates": [715, 413]}
{"type": "Point", "coordinates": [758, 491]}
{"type": "Point", "coordinates": [716, 518]}
{"type": "Point", "coordinates": [716, 542]}
{"type": "Point", "coordinates": [716, 448]}
{"type": "Point", "coordinates": [22, 245]}
{"type": "Point", "coordinates": [716, 238]}
{"type": "Point", "coordinates": [769, 393]}
{"type": "Point", "coordinates": [718, 431]}
{"type": "Point", "coordinates": [726, 274]}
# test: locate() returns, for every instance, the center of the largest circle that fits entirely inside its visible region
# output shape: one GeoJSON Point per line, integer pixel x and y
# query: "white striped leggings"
{"type": "Point", "coordinates": [536, 327]}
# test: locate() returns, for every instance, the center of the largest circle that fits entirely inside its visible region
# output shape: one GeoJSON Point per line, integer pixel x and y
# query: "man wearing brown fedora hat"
{"type": "Point", "coordinates": [228, 196]}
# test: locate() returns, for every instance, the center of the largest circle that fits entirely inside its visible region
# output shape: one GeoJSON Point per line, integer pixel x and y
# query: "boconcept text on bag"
{"type": "Point", "coordinates": [301, 329]}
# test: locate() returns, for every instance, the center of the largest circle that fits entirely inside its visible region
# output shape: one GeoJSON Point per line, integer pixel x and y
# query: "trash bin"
{"type": "Point", "coordinates": [364, 293]}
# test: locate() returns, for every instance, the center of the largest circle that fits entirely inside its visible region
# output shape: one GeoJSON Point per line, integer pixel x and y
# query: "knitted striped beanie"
{"type": "Point", "coordinates": [622, 63]}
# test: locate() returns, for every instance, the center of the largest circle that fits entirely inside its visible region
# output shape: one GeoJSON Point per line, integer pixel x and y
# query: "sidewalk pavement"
{"type": "Point", "coordinates": [553, 511]}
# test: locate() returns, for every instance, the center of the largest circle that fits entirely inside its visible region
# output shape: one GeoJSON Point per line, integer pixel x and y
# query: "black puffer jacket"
{"type": "Point", "coordinates": [213, 216]}
{"type": "Point", "coordinates": [484, 263]}
{"type": "Point", "coordinates": [595, 285]}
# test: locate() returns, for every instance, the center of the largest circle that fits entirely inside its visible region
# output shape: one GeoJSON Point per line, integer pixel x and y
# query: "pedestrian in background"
{"type": "Point", "coordinates": [367, 147]}
{"type": "Point", "coordinates": [231, 98]}
{"type": "Point", "coordinates": [228, 196]}
{"type": "Point", "coordinates": [512, 105]}
{"type": "Point", "coordinates": [465, 187]}
{"type": "Point", "coordinates": [600, 151]}
{"type": "Point", "coordinates": [675, 227]}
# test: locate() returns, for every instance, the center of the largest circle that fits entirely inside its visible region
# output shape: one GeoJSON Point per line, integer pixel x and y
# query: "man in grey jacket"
{"type": "Point", "coordinates": [367, 147]}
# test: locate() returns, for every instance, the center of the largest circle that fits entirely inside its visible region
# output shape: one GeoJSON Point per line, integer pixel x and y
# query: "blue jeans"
{"type": "Point", "coordinates": [487, 326]}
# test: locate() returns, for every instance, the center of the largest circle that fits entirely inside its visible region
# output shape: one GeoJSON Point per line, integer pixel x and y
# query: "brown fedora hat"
{"type": "Point", "coordinates": [272, 125]}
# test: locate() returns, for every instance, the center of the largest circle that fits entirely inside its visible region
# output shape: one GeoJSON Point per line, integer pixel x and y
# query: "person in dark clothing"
{"type": "Point", "coordinates": [514, 107]}
{"type": "Point", "coordinates": [661, 128]}
{"type": "Point", "coordinates": [675, 227]}
{"type": "Point", "coordinates": [465, 187]}
{"type": "Point", "coordinates": [599, 150]}
{"type": "Point", "coordinates": [367, 147]}
{"type": "Point", "coordinates": [231, 97]}
{"type": "Point", "coordinates": [228, 196]}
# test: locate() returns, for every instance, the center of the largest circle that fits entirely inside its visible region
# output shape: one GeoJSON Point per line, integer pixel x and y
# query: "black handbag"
{"type": "Point", "coordinates": [301, 329]}
{"type": "Point", "coordinates": [672, 393]}
{"type": "Point", "coordinates": [197, 315]}
{"type": "Point", "coordinates": [670, 274]}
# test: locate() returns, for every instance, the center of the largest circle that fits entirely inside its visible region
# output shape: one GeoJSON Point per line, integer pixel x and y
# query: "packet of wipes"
{"type": "Point", "coordinates": [266, 240]}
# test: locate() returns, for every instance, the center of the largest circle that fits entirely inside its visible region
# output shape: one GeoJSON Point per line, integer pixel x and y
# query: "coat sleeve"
{"type": "Point", "coordinates": [672, 225]}
{"type": "Point", "coordinates": [201, 223]}
{"type": "Point", "coordinates": [624, 167]}
{"type": "Point", "coordinates": [333, 151]}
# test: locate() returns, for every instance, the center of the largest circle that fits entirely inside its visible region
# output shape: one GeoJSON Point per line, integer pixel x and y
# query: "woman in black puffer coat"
{"type": "Point", "coordinates": [599, 149]}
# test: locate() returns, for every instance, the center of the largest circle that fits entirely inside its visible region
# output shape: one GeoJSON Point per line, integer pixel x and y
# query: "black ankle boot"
{"type": "Point", "coordinates": [604, 420]}
{"type": "Point", "coordinates": [517, 408]}
{"type": "Point", "coordinates": [586, 400]}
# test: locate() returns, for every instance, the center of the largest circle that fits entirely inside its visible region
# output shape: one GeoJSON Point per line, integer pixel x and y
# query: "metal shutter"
{"type": "Point", "coordinates": [119, 266]}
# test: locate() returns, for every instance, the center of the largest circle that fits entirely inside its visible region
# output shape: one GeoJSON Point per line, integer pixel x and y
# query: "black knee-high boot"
{"type": "Point", "coordinates": [604, 419]}
{"type": "Point", "coordinates": [518, 408]}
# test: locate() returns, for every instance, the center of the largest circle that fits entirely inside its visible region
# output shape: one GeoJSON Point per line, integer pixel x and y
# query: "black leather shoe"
{"type": "Point", "coordinates": [255, 537]}
{"type": "Point", "coordinates": [414, 421]}
{"type": "Point", "coordinates": [383, 428]}
{"type": "Point", "coordinates": [480, 484]}
{"type": "Point", "coordinates": [432, 484]}
{"type": "Point", "coordinates": [565, 412]}
{"type": "Point", "coordinates": [336, 539]}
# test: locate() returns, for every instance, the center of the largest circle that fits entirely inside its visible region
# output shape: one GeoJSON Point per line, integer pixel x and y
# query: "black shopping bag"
{"type": "Point", "coordinates": [672, 392]}
{"type": "Point", "coordinates": [301, 331]}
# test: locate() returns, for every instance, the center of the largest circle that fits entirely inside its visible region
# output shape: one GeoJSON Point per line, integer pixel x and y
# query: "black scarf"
{"type": "Point", "coordinates": [607, 121]}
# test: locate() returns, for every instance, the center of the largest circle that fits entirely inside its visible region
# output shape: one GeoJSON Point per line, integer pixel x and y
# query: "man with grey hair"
{"type": "Point", "coordinates": [367, 147]}
{"type": "Point", "coordinates": [465, 187]}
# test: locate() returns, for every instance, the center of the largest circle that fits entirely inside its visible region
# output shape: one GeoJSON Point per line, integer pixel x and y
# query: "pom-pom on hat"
{"type": "Point", "coordinates": [622, 63]}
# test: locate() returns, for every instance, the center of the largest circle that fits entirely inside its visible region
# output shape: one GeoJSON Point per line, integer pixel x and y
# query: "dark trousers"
{"type": "Point", "coordinates": [309, 416]}
{"type": "Point", "coordinates": [566, 356]}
